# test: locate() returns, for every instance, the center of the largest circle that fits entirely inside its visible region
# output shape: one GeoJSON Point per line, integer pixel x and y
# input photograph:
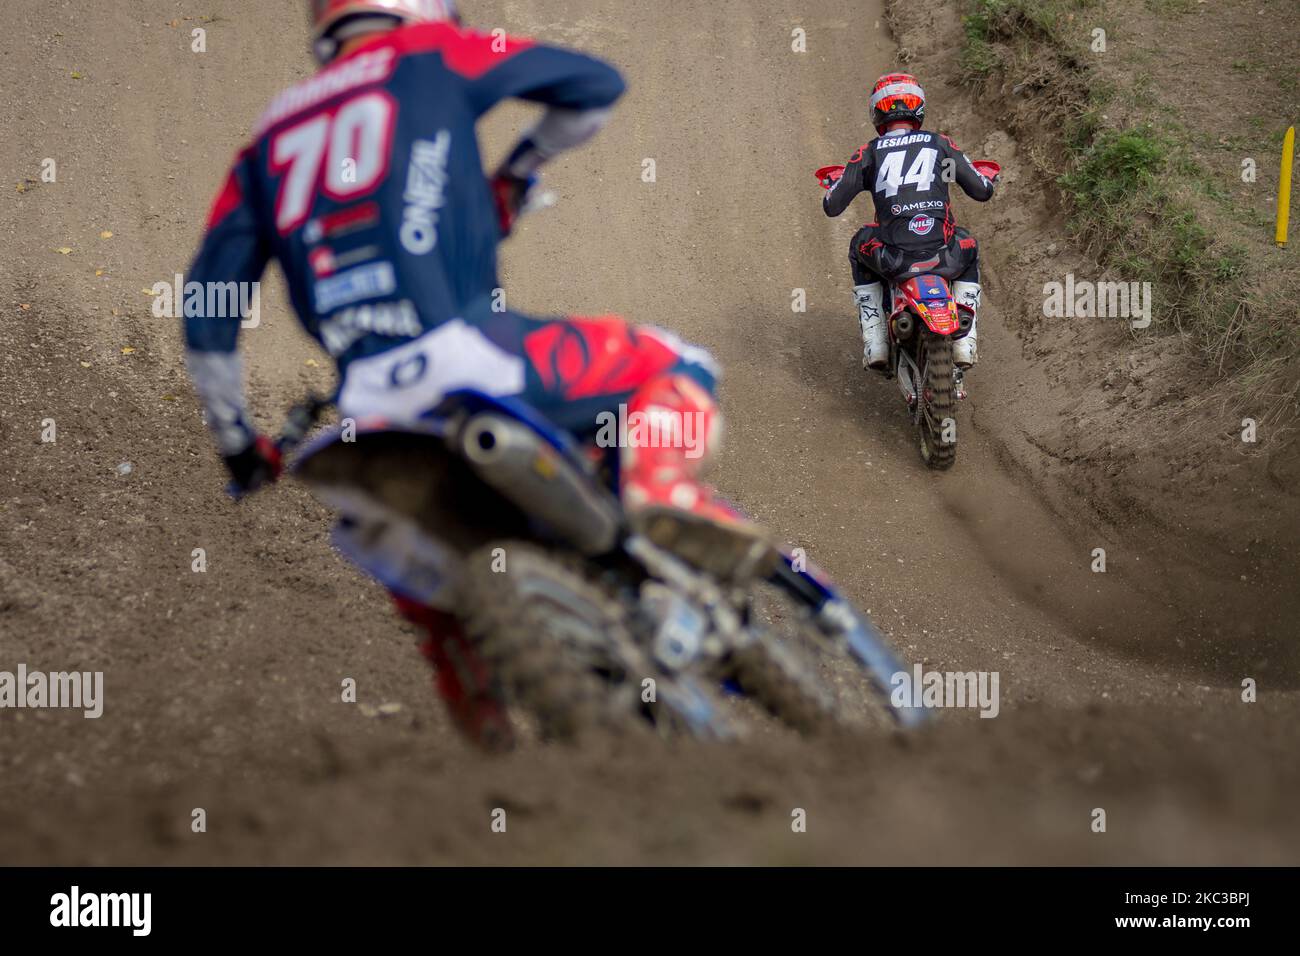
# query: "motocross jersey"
{"type": "Point", "coordinates": [366, 183]}
{"type": "Point", "coordinates": [907, 173]}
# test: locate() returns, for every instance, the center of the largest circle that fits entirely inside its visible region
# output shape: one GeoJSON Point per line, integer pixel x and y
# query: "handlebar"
{"type": "Point", "coordinates": [298, 423]}
{"type": "Point", "coordinates": [833, 173]}
{"type": "Point", "coordinates": [300, 420]}
{"type": "Point", "coordinates": [535, 200]}
{"type": "Point", "coordinates": [986, 167]}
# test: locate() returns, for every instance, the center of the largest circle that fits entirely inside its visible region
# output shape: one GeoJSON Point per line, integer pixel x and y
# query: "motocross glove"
{"type": "Point", "coordinates": [258, 465]}
{"type": "Point", "coordinates": [510, 193]}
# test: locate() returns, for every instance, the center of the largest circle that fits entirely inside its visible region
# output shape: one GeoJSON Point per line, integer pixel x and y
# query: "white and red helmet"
{"type": "Point", "coordinates": [897, 97]}
{"type": "Point", "coordinates": [329, 16]}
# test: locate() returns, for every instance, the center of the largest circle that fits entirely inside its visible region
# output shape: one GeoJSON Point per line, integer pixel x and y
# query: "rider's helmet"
{"type": "Point", "coordinates": [333, 21]}
{"type": "Point", "coordinates": [897, 97]}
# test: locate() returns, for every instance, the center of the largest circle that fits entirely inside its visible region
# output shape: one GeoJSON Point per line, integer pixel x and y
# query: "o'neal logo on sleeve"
{"type": "Point", "coordinates": [426, 187]}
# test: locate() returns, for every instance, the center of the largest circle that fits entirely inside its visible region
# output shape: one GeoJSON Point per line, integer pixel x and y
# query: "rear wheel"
{"type": "Point", "coordinates": [938, 426]}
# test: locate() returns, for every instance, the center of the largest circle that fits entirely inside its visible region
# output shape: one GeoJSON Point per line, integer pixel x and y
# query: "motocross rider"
{"type": "Point", "coordinates": [365, 183]}
{"type": "Point", "coordinates": [907, 172]}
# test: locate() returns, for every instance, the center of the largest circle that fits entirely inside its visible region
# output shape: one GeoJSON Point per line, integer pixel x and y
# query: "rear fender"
{"type": "Point", "coordinates": [929, 298]}
{"type": "Point", "coordinates": [537, 485]}
{"type": "Point", "coordinates": [412, 475]}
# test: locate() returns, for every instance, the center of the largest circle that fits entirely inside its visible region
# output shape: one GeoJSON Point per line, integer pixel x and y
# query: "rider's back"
{"type": "Point", "coordinates": [366, 183]}
{"type": "Point", "coordinates": [907, 174]}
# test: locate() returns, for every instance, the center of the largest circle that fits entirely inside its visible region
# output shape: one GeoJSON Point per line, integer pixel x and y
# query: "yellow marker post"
{"type": "Point", "coordinates": [1284, 188]}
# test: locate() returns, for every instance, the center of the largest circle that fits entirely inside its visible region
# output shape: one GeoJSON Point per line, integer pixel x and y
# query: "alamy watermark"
{"type": "Point", "coordinates": [654, 428]}
{"type": "Point", "coordinates": [1085, 299]}
{"type": "Point", "coordinates": [73, 909]}
{"type": "Point", "coordinates": [76, 690]}
{"type": "Point", "coordinates": [211, 300]}
{"type": "Point", "coordinates": [948, 689]}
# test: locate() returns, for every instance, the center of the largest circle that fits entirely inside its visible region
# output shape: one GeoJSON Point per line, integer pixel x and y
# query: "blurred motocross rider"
{"type": "Point", "coordinates": [907, 173]}
{"type": "Point", "coordinates": [365, 183]}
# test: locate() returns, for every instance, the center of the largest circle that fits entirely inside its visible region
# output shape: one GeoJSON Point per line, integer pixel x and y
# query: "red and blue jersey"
{"type": "Point", "coordinates": [366, 184]}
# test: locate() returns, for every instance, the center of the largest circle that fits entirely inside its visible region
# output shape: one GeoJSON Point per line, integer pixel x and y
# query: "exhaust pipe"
{"type": "Point", "coordinates": [903, 326]}
{"type": "Point", "coordinates": [536, 478]}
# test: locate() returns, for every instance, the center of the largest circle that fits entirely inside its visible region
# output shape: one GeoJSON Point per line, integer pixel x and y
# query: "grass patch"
{"type": "Point", "coordinates": [1115, 168]}
{"type": "Point", "coordinates": [1051, 21]}
{"type": "Point", "coordinates": [978, 58]}
{"type": "Point", "coordinates": [1138, 198]}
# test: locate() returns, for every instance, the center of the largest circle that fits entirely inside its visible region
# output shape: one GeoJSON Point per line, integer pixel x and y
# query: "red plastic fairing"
{"type": "Point", "coordinates": [930, 298]}
{"type": "Point", "coordinates": [987, 168]}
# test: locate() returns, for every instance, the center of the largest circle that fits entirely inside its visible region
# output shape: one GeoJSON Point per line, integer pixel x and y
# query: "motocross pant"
{"type": "Point", "coordinates": [876, 265]}
{"type": "Point", "coordinates": [874, 261]}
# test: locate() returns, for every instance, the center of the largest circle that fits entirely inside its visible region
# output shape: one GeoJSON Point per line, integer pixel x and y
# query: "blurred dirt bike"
{"type": "Point", "coordinates": [585, 623]}
{"type": "Point", "coordinates": [924, 320]}
{"type": "Point", "coordinates": [573, 611]}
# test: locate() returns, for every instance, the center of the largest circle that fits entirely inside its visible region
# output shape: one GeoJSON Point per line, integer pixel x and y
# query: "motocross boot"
{"type": "Point", "coordinates": [871, 318]}
{"type": "Point", "coordinates": [664, 499]}
{"type": "Point", "coordinates": [473, 696]}
{"type": "Point", "coordinates": [967, 294]}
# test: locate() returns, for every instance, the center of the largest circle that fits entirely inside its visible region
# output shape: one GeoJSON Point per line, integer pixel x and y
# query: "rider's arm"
{"type": "Point", "coordinates": [852, 182]}
{"type": "Point", "coordinates": [233, 256]}
{"type": "Point", "coordinates": [971, 181]}
{"type": "Point", "coordinates": [578, 91]}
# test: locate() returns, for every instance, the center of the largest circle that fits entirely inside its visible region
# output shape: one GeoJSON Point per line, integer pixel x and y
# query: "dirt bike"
{"type": "Point", "coordinates": [586, 623]}
{"type": "Point", "coordinates": [923, 322]}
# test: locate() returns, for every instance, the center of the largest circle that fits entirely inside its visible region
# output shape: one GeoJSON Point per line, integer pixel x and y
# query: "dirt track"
{"type": "Point", "coordinates": [222, 687]}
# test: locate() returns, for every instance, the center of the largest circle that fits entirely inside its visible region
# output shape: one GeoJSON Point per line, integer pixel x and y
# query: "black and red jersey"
{"type": "Point", "coordinates": [907, 174]}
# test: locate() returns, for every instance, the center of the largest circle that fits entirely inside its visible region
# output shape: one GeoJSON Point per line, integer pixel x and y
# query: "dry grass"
{"type": "Point", "coordinates": [1140, 203]}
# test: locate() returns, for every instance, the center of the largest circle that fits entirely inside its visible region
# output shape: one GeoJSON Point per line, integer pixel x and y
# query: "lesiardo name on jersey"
{"type": "Point", "coordinates": [889, 142]}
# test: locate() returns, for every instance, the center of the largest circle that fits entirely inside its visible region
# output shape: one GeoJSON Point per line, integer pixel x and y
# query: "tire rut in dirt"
{"type": "Point", "coordinates": [539, 624]}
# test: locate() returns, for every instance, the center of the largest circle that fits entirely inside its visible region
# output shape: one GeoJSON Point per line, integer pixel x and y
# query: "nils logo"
{"type": "Point", "coordinates": [921, 224]}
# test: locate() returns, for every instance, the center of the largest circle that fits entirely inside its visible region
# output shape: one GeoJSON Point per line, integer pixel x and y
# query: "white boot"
{"type": "Point", "coordinates": [967, 294]}
{"type": "Point", "coordinates": [871, 316]}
